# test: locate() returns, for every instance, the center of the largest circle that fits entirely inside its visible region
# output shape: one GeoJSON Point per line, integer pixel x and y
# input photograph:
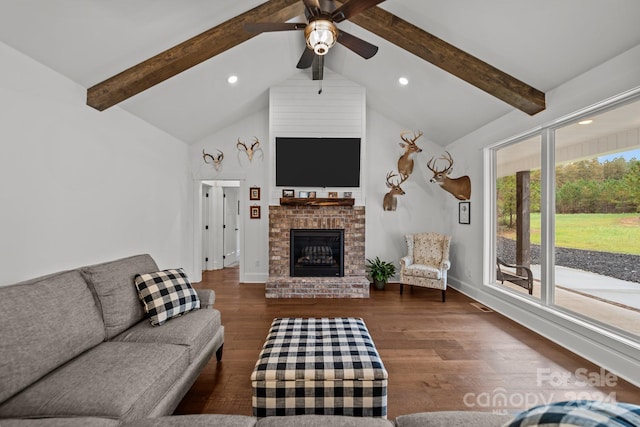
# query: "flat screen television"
{"type": "Point", "coordinates": [317, 162]}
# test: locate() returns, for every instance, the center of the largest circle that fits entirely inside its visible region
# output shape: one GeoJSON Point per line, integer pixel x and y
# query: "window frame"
{"type": "Point", "coordinates": [545, 305]}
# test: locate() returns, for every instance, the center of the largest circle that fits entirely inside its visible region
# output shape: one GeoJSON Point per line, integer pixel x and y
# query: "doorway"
{"type": "Point", "coordinates": [220, 224]}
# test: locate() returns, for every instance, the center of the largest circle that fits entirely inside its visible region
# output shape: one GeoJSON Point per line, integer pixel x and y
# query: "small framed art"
{"type": "Point", "coordinates": [464, 213]}
{"type": "Point", "coordinates": [254, 212]}
{"type": "Point", "coordinates": [303, 194]}
{"type": "Point", "coordinates": [347, 194]}
{"type": "Point", "coordinates": [333, 194]}
{"type": "Point", "coordinates": [254, 193]}
{"type": "Point", "coordinates": [312, 194]}
{"type": "Point", "coordinates": [288, 192]}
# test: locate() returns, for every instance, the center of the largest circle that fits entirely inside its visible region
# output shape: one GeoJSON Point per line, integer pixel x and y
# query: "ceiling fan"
{"type": "Point", "coordinates": [321, 32]}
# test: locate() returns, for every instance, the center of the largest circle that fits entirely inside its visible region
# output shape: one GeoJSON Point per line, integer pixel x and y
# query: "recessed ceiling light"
{"type": "Point", "coordinates": [403, 81]}
{"type": "Point", "coordinates": [585, 122]}
{"type": "Point", "coordinates": [232, 80]}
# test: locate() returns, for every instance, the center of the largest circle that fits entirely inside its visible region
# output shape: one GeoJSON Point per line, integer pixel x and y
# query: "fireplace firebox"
{"type": "Point", "coordinates": [317, 252]}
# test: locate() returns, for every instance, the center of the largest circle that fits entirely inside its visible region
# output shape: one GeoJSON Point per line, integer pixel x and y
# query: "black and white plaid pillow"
{"type": "Point", "coordinates": [166, 294]}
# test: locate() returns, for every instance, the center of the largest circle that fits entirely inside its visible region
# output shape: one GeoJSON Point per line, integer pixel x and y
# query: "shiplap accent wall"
{"type": "Point", "coordinates": [296, 109]}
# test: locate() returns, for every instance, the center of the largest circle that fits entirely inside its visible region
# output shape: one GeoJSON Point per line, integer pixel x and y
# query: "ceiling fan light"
{"type": "Point", "coordinates": [321, 35]}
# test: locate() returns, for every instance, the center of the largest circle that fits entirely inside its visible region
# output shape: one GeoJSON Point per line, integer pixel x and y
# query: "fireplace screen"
{"type": "Point", "coordinates": [317, 252]}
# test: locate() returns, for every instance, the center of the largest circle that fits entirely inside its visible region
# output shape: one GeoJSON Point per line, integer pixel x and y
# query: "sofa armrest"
{"type": "Point", "coordinates": [207, 297]}
{"type": "Point", "coordinates": [406, 261]}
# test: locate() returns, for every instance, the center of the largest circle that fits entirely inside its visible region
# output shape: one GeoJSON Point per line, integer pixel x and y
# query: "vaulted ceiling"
{"type": "Point", "coordinates": [504, 55]}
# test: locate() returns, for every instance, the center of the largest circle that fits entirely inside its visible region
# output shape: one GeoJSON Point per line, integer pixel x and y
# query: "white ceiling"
{"type": "Point", "coordinates": [543, 43]}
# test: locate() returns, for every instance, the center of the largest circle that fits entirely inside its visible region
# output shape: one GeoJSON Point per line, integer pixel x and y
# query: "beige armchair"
{"type": "Point", "coordinates": [426, 262]}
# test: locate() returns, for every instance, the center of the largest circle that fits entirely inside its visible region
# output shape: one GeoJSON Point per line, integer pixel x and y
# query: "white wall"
{"type": "Point", "coordinates": [80, 186]}
{"type": "Point", "coordinates": [614, 77]}
{"type": "Point", "coordinates": [254, 255]}
{"type": "Point", "coordinates": [424, 207]}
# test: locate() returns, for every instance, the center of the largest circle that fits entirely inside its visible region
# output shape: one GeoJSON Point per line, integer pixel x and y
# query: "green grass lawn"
{"type": "Point", "coordinates": [618, 233]}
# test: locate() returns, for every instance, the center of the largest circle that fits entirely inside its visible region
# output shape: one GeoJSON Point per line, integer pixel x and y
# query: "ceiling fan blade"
{"type": "Point", "coordinates": [357, 45]}
{"type": "Point", "coordinates": [265, 27]}
{"type": "Point", "coordinates": [318, 67]}
{"type": "Point", "coordinates": [313, 7]}
{"type": "Point", "coordinates": [352, 8]}
{"type": "Point", "coordinates": [306, 59]}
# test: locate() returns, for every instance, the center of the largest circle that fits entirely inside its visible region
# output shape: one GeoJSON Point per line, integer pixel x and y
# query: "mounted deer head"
{"type": "Point", "coordinates": [390, 202]}
{"type": "Point", "coordinates": [459, 187]}
{"type": "Point", "coordinates": [405, 163]}
{"type": "Point", "coordinates": [249, 150]}
{"type": "Point", "coordinates": [215, 161]}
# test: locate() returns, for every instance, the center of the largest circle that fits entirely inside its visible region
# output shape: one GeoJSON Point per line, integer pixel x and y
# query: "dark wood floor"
{"type": "Point", "coordinates": [451, 356]}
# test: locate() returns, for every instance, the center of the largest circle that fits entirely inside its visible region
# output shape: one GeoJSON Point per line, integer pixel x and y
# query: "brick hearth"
{"type": "Point", "coordinates": [282, 219]}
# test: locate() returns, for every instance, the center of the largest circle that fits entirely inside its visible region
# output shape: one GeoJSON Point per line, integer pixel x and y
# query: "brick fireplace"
{"type": "Point", "coordinates": [282, 219]}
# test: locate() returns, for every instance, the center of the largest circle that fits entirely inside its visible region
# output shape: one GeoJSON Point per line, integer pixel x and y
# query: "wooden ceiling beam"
{"type": "Point", "coordinates": [451, 59]}
{"type": "Point", "coordinates": [188, 54]}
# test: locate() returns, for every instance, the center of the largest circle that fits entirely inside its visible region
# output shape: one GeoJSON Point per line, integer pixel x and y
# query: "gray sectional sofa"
{"type": "Point", "coordinates": [78, 344]}
{"type": "Point", "coordinates": [422, 419]}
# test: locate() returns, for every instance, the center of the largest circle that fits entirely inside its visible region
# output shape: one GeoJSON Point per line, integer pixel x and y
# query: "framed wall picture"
{"type": "Point", "coordinates": [333, 194]}
{"type": "Point", "coordinates": [303, 194]}
{"type": "Point", "coordinates": [464, 213]}
{"type": "Point", "coordinates": [347, 194]}
{"type": "Point", "coordinates": [312, 194]}
{"type": "Point", "coordinates": [288, 192]}
{"type": "Point", "coordinates": [254, 193]}
{"type": "Point", "coordinates": [254, 212]}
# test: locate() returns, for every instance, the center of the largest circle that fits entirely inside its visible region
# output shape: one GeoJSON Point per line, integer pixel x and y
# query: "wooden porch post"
{"type": "Point", "coordinates": [523, 222]}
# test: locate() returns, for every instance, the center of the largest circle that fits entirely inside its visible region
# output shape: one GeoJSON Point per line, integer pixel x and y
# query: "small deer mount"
{"type": "Point", "coordinates": [389, 202]}
{"type": "Point", "coordinates": [405, 162]}
{"type": "Point", "coordinates": [216, 161]}
{"type": "Point", "coordinates": [249, 150]}
{"type": "Point", "coordinates": [459, 187]}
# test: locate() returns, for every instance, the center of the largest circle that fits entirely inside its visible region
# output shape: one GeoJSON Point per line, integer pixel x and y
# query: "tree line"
{"type": "Point", "coordinates": [586, 186]}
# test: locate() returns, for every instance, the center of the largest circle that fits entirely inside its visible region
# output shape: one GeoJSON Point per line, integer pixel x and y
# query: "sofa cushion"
{"type": "Point", "coordinates": [61, 422]}
{"type": "Point", "coordinates": [113, 380]}
{"type": "Point", "coordinates": [45, 322]}
{"type": "Point", "coordinates": [452, 419]}
{"type": "Point", "coordinates": [193, 331]}
{"type": "Point", "coordinates": [323, 421]}
{"type": "Point", "coordinates": [204, 420]}
{"type": "Point", "coordinates": [166, 294]}
{"type": "Point", "coordinates": [112, 283]}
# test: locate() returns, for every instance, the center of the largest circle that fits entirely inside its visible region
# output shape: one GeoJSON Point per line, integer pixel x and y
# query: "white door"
{"type": "Point", "coordinates": [207, 255]}
{"type": "Point", "coordinates": [231, 231]}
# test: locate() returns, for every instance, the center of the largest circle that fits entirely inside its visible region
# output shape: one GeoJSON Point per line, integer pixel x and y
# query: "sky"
{"type": "Point", "coordinates": [628, 155]}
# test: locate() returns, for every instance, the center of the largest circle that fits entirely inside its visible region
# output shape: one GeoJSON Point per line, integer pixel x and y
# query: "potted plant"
{"type": "Point", "coordinates": [380, 271]}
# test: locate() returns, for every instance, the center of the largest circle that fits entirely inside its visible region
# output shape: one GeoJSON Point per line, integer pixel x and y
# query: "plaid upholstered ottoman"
{"type": "Point", "coordinates": [325, 366]}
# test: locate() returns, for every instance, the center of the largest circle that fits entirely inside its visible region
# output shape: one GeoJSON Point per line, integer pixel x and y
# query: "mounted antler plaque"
{"type": "Point", "coordinates": [249, 150]}
{"type": "Point", "coordinates": [215, 161]}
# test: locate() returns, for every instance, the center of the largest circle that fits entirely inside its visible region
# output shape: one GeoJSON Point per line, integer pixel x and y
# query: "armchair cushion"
{"type": "Point", "coordinates": [425, 271]}
{"type": "Point", "coordinates": [428, 249]}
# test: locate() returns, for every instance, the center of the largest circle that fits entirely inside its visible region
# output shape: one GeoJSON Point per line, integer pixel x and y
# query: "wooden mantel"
{"type": "Point", "coordinates": [316, 201]}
